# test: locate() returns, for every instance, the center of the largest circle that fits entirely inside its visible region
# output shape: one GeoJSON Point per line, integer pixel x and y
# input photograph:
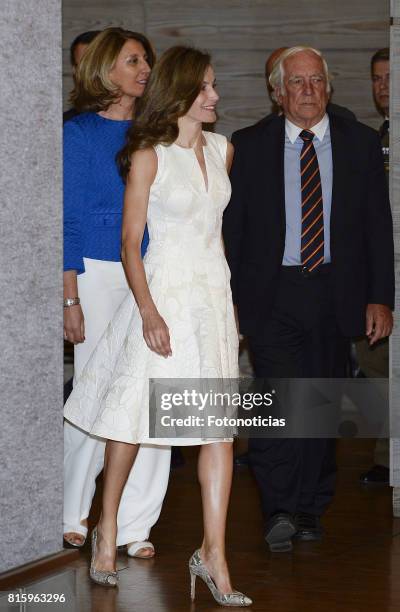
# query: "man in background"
{"type": "Point", "coordinates": [380, 75]}
{"type": "Point", "coordinates": [374, 361]}
{"type": "Point", "coordinates": [77, 49]}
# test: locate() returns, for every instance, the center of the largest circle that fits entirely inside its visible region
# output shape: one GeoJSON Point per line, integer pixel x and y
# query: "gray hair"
{"type": "Point", "coordinates": [278, 72]}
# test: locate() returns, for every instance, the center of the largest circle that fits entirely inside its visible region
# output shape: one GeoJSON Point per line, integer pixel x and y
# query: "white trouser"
{"type": "Point", "coordinates": [101, 289]}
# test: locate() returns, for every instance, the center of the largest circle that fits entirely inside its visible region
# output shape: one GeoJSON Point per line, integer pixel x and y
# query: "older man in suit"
{"type": "Point", "coordinates": [309, 241]}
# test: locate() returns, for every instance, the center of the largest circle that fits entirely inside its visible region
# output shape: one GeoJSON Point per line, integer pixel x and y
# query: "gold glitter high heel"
{"type": "Point", "coordinates": [197, 568]}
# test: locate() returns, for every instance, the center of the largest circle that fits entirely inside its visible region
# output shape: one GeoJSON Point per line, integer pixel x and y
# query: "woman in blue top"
{"type": "Point", "coordinates": [111, 75]}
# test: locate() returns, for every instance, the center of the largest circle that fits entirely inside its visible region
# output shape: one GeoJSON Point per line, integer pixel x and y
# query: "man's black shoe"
{"type": "Point", "coordinates": [279, 532]}
{"type": "Point", "coordinates": [308, 527]}
{"type": "Point", "coordinates": [241, 460]}
{"type": "Point", "coordinates": [378, 474]}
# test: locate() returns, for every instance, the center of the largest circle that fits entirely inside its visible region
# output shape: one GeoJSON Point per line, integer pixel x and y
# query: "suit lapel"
{"type": "Point", "coordinates": [340, 167]}
{"type": "Point", "coordinates": [273, 151]}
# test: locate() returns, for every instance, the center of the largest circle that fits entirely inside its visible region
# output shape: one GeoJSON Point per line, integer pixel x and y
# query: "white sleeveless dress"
{"type": "Point", "coordinates": [189, 281]}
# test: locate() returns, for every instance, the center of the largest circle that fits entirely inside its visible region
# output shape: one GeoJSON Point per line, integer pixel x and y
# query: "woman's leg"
{"type": "Point", "coordinates": [118, 461]}
{"type": "Point", "coordinates": [215, 476]}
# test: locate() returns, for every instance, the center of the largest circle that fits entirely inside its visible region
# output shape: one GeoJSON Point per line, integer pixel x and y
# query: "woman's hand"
{"type": "Point", "coordinates": [74, 324]}
{"type": "Point", "coordinates": [156, 334]}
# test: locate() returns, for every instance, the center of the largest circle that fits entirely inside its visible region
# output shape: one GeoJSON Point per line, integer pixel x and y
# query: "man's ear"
{"type": "Point", "coordinates": [278, 95]}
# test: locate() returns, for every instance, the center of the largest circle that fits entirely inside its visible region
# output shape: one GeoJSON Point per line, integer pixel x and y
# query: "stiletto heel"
{"type": "Point", "coordinates": [102, 577]}
{"type": "Point", "coordinates": [197, 568]}
{"type": "Point", "coordinates": [192, 586]}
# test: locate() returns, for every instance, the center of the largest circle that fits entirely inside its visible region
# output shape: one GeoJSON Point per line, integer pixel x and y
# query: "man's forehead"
{"type": "Point", "coordinates": [304, 61]}
{"type": "Point", "coordinates": [381, 66]}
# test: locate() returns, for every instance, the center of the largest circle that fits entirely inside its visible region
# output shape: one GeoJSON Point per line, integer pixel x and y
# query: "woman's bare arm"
{"type": "Point", "coordinates": [141, 177]}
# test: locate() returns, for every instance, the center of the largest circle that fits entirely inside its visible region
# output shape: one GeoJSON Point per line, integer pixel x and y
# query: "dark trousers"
{"type": "Point", "coordinates": [300, 340]}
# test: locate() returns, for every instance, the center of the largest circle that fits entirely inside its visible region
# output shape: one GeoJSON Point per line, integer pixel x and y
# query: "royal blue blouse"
{"type": "Point", "coordinates": [93, 190]}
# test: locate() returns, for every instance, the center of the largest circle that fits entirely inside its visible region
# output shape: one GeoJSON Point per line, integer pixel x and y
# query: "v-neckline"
{"type": "Point", "coordinates": [204, 176]}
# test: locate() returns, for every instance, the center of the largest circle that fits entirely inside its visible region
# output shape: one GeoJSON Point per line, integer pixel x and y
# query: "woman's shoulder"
{"type": "Point", "coordinates": [147, 155]}
{"type": "Point", "coordinates": [144, 163]}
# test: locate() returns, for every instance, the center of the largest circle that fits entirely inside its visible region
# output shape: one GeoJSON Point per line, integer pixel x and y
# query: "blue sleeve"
{"type": "Point", "coordinates": [145, 241]}
{"type": "Point", "coordinates": [76, 171]}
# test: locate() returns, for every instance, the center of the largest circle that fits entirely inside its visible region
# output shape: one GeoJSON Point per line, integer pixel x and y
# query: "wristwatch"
{"type": "Point", "coordinates": [71, 302]}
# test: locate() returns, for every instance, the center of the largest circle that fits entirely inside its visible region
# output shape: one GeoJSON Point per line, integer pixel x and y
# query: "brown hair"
{"type": "Point", "coordinates": [173, 86]}
{"type": "Point", "coordinates": [93, 89]}
{"type": "Point", "coordinates": [382, 55]}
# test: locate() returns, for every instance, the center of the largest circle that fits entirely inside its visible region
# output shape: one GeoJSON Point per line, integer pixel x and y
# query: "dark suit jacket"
{"type": "Point", "coordinates": [340, 111]}
{"type": "Point", "coordinates": [361, 223]}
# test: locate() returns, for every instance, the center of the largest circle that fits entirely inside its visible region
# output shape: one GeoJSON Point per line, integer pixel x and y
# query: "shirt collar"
{"type": "Point", "coordinates": [293, 131]}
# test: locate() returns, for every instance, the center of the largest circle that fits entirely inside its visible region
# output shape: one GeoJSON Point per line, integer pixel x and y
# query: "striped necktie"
{"type": "Point", "coordinates": [312, 213]}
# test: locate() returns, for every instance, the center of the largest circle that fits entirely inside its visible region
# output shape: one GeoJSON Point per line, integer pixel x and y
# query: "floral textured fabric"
{"type": "Point", "coordinates": [189, 281]}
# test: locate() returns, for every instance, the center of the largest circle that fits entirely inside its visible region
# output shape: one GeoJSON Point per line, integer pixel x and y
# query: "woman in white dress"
{"type": "Point", "coordinates": [179, 322]}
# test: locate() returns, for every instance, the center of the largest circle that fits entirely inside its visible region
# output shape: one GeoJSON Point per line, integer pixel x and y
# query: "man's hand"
{"type": "Point", "coordinates": [379, 322]}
